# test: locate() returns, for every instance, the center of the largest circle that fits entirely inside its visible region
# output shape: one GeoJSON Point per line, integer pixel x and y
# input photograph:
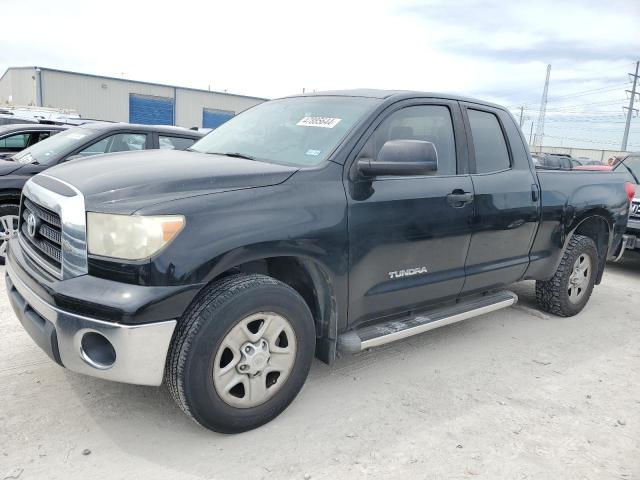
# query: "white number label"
{"type": "Point", "coordinates": [322, 122]}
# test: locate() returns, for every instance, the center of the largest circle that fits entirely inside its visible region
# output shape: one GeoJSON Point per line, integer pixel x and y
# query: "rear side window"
{"type": "Point", "coordinates": [488, 142]}
{"type": "Point", "coordinates": [174, 143]}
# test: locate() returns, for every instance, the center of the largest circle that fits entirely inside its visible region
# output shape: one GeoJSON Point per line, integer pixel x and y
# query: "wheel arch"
{"type": "Point", "coordinates": [312, 280]}
{"type": "Point", "coordinates": [596, 224]}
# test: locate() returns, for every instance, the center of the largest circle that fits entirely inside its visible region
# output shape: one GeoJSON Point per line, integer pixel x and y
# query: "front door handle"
{"type": "Point", "coordinates": [459, 198]}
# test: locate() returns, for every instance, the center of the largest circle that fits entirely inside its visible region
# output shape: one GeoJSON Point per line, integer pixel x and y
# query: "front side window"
{"type": "Point", "coordinates": [299, 131]}
{"type": "Point", "coordinates": [490, 147]}
{"type": "Point", "coordinates": [431, 123]}
{"type": "Point", "coordinates": [174, 143]}
{"type": "Point", "coordinates": [14, 143]}
{"type": "Point", "coordinates": [120, 142]}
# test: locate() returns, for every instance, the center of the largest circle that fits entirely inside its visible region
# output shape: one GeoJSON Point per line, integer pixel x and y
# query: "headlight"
{"type": "Point", "coordinates": [130, 237]}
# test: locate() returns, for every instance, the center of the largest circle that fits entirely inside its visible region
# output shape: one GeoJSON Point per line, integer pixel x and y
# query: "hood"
{"type": "Point", "coordinates": [8, 166]}
{"type": "Point", "coordinates": [127, 181]}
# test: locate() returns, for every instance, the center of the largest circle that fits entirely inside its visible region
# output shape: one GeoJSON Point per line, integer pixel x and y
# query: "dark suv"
{"type": "Point", "coordinates": [75, 143]}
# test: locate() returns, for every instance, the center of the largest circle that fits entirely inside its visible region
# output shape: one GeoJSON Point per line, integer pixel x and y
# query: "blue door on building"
{"type": "Point", "coordinates": [212, 118]}
{"type": "Point", "coordinates": [149, 110]}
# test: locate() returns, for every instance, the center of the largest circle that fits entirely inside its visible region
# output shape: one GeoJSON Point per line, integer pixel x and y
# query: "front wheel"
{"type": "Point", "coordinates": [8, 227]}
{"type": "Point", "coordinates": [569, 290]}
{"type": "Point", "coordinates": [241, 353]}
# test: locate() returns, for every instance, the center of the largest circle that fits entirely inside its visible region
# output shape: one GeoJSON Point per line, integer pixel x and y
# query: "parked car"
{"type": "Point", "coordinates": [310, 224]}
{"type": "Point", "coordinates": [17, 137]}
{"type": "Point", "coordinates": [553, 162]}
{"type": "Point", "coordinates": [595, 168]}
{"type": "Point", "coordinates": [75, 143]}
{"type": "Point", "coordinates": [630, 167]}
{"type": "Point", "coordinates": [10, 119]}
{"type": "Point", "coordinates": [588, 161]}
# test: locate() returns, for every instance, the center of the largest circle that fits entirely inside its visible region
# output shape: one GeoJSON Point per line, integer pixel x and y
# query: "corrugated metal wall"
{"type": "Point", "coordinates": [190, 105]}
{"type": "Point", "coordinates": [95, 97]}
{"type": "Point", "coordinates": [19, 85]}
{"type": "Point", "coordinates": [108, 99]}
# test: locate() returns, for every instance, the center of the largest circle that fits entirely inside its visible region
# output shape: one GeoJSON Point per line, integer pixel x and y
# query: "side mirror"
{"type": "Point", "coordinates": [402, 157]}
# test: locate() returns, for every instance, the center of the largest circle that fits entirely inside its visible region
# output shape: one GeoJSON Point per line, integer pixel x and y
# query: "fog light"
{"type": "Point", "coordinates": [97, 351]}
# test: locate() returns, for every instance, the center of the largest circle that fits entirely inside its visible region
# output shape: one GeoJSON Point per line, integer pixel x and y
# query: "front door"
{"type": "Point", "coordinates": [409, 236]}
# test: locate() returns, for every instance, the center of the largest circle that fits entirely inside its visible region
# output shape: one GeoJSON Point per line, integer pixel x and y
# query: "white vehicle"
{"type": "Point", "coordinates": [42, 113]}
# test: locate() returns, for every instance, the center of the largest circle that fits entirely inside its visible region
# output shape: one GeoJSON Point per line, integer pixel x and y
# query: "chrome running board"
{"type": "Point", "coordinates": [385, 332]}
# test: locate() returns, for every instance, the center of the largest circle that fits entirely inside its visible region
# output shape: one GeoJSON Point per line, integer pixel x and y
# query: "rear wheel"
{"type": "Point", "coordinates": [569, 290]}
{"type": "Point", "coordinates": [241, 353]}
{"type": "Point", "coordinates": [8, 227]}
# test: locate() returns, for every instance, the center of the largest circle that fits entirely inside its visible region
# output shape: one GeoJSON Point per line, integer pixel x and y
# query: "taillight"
{"type": "Point", "coordinates": [630, 188]}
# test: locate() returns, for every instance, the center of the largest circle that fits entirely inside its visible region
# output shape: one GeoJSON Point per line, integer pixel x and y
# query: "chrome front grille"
{"type": "Point", "coordinates": [45, 240]}
{"type": "Point", "coordinates": [57, 239]}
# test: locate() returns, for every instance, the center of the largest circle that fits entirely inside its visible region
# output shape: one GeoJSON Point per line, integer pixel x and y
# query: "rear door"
{"type": "Point", "coordinates": [506, 199]}
{"type": "Point", "coordinates": [409, 235]}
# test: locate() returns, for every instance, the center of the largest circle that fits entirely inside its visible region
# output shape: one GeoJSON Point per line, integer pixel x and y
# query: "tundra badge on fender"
{"type": "Point", "coordinates": [408, 272]}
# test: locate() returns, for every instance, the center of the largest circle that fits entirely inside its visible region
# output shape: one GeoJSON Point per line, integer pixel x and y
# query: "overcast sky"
{"type": "Point", "coordinates": [495, 50]}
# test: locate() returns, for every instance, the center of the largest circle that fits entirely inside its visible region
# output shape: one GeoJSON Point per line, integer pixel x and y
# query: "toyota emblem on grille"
{"type": "Point", "coordinates": [32, 223]}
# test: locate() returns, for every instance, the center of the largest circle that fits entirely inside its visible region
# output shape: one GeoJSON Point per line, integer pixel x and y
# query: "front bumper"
{"type": "Point", "coordinates": [631, 238]}
{"type": "Point", "coordinates": [131, 353]}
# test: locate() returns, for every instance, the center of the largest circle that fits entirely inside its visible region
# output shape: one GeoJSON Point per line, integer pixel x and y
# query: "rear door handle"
{"type": "Point", "coordinates": [459, 198]}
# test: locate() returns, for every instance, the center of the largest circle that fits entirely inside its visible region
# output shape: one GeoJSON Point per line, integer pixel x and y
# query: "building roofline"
{"type": "Point", "coordinates": [46, 69]}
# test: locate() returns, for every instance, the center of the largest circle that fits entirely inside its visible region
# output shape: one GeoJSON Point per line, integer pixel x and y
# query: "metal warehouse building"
{"type": "Point", "coordinates": [118, 99]}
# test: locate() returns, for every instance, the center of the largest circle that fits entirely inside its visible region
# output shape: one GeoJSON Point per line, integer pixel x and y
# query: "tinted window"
{"type": "Point", "coordinates": [175, 143]}
{"type": "Point", "coordinates": [488, 142]}
{"type": "Point", "coordinates": [431, 123]}
{"type": "Point", "coordinates": [15, 143]}
{"type": "Point", "coordinates": [120, 142]}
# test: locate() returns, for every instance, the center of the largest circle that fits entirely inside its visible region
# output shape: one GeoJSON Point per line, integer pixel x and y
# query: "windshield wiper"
{"type": "Point", "coordinates": [233, 154]}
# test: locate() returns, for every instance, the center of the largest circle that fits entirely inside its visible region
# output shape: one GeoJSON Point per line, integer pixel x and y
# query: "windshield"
{"type": "Point", "coordinates": [299, 131]}
{"type": "Point", "coordinates": [47, 151]}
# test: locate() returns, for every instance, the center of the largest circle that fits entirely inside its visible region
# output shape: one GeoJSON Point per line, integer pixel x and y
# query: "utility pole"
{"type": "Point", "coordinates": [537, 140]}
{"type": "Point", "coordinates": [630, 110]}
{"type": "Point", "coordinates": [521, 115]}
{"type": "Point", "coordinates": [531, 133]}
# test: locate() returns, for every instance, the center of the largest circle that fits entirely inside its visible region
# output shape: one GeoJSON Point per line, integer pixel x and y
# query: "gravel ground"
{"type": "Point", "coordinates": [514, 394]}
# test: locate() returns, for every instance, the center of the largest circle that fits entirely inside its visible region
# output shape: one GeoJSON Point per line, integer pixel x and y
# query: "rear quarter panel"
{"type": "Point", "coordinates": [567, 199]}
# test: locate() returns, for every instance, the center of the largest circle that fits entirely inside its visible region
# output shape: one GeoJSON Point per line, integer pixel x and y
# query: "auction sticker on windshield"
{"type": "Point", "coordinates": [76, 136]}
{"type": "Point", "coordinates": [322, 122]}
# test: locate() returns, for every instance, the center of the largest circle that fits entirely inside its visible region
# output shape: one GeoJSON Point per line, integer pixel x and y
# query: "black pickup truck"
{"type": "Point", "coordinates": [307, 225]}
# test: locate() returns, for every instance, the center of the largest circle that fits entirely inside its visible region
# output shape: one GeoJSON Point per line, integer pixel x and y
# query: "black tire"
{"type": "Point", "coordinates": [4, 211]}
{"type": "Point", "coordinates": [189, 372]}
{"type": "Point", "coordinates": [552, 295]}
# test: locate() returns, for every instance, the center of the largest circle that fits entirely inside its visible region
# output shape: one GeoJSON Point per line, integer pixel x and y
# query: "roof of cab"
{"type": "Point", "coordinates": [398, 95]}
